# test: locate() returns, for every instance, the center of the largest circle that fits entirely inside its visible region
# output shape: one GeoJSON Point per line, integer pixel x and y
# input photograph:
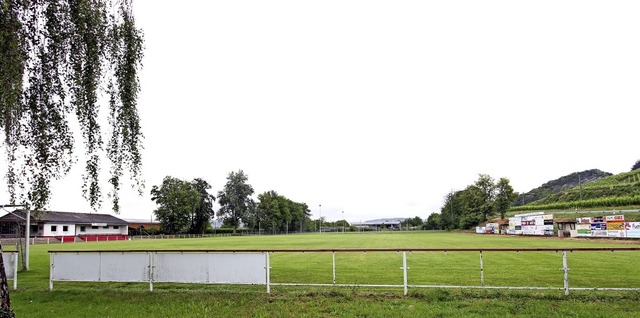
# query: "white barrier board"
{"type": "Point", "coordinates": [10, 260]}
{"type": "Point", "coordinates": [210, 268]}
{"type": "Point", "coordinates": [170, 267]}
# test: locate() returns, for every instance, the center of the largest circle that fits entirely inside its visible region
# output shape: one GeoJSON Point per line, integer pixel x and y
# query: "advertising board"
{"type": "Point", "coordinates": [632, 229]}
{"type": "Point", "coordinates": [583, 229]}
{"type": "Point", "coordinates": [531, 224]}
{"type": "Point", "coordinates": [584, 220]}
{"type": "Point", "coordinates": [614, 218]}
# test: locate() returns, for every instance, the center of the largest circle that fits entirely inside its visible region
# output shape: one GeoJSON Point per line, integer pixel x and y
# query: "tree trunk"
{"type": "Point", "coordinates": [5, 307]}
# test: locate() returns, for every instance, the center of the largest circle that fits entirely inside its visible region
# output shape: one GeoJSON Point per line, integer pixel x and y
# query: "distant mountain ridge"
{"type": "Point", "coordinates": [561, 184]}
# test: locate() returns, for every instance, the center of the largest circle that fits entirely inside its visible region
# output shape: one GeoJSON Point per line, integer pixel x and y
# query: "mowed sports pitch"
{"type": "Point", "coordinates": [544, 269]}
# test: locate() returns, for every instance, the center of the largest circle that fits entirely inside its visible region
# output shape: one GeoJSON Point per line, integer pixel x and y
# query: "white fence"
{"type": "Point", "coordinates": [200, 267]}
{"type": "Point", "coordinates": [252, 267]}
{"type": "Point", "coordinates": [11, 267]}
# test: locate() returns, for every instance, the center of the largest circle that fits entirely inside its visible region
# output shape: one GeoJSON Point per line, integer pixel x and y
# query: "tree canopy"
{"type": "Point", "coordinates": [235, 199]}
{"type": "Point", "coordinates": [504, 197]}
{"type": "Point", "coordinates": [275, 212]}
{"type": "Point", "coordinates": [57, 58]}
{"type": "Point", "coordinates": [475, 204]}
{"type": "Point", "coordinates": [183, 206]}
{"type": "Point", "coordinates": [60, 62]}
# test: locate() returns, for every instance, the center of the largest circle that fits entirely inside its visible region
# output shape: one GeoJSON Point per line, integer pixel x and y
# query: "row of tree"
{"type": "Point", "coordinates": [187, 207]}
{"type": "Point", "coordinates": [475, 204]}
{"type": "Point", "coordinates": [276, 213]}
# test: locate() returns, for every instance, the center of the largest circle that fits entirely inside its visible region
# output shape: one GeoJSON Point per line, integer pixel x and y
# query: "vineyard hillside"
{"type": "Point", "coordinates": [621, 190]}
{"type": "Point", "coordinates": [559, 185]}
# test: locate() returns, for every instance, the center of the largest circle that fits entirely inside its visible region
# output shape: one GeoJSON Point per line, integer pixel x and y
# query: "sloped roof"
{"type": "Point", "coordinates": [65, 217]}
{"type": "Point", "coordinates": [564, 220]}
{"type": "Point", "coordinates": [389, 221]}
{"type": "Point", "coordinates": [143, 221]}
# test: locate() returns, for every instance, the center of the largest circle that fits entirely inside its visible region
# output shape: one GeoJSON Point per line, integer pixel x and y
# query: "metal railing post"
{"type": "Point", "coordinates": [268, 272]}
{"type": "Point", "coordinates": [51, 266]}
{"type": "Point", "coordinates": [565, 268]}
{"type": "Point", "coordinates": [481, 270]}
{"type": "Point", "coordinates": [14, 258]}
{"type": "Point", "coordinates": [151, 271]}
{"type": "Point", "coordinates": [404, 268]}
{"type": "Point", "coordinates": [334, 267]}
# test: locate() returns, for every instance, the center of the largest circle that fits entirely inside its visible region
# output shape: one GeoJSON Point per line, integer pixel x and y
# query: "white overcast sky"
{"type": "Point", "coordinates": [380, 108]}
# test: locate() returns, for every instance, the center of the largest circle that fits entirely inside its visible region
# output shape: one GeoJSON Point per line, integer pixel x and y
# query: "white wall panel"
{"type": "Point", "coordinates": [237, 269]}
{"type": "Point", "coordinates": [10, 261]}
{"type": "Point", "coordinates": [174, 267]}
{"type": "Point", "coordinates": [180, 267]}
{"type": "Point", "coordinates": [124, 267]}
{"type": "Point", "coordinates": [82, 267]}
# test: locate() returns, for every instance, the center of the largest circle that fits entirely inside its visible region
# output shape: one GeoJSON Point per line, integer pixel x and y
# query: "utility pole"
{"type": "Point", "coordinates": [320, 220]}
{"type": "Point", "coordinates": [580, 184]}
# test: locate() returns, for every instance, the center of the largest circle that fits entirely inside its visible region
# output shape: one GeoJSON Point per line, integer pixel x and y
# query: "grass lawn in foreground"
{"type": "Point", "coordinates": [589, 269]}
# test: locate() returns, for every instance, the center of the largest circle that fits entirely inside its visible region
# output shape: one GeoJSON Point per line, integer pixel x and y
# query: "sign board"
{"type": "Point", "coordinates": [618, 226]}
{"type": "Point", "coordinates": [531, 224]}
{"type": "Point", "coordinates": [616, 233]}
{"type": "Point", "coordinates": [584, 220]}
{"type": "Point", "coordinates": [632, 229]}
{"type": "Point", "coordinates": [583, 229]}
{"type": "Point", "coordinates": [613, 218]}
{"type": "Point", "coordinates": [608, 226]}
{"type": "Point", "coordinates": [10, 260]}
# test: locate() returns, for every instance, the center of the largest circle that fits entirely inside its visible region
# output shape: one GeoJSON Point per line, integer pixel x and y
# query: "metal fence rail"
{"type": "Point", "coordinates": [264, 267]}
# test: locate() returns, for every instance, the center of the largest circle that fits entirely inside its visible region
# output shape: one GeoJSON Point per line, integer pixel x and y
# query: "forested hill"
{"type": "Point", "coordinates": [559, 185]}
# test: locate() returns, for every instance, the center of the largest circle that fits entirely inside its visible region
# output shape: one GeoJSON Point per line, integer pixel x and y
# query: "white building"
{"type": "Point", "coordinates": [68, 226]}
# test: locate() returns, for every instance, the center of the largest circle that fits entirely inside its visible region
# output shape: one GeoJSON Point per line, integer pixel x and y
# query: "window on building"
{"type": "Point", "coordinates": [65, 228]}
{"type": "Point", "coordinates": [94, 227]}
{"type": "Point", "coordinates": [54, 228]}
{"type": "Point", "coordinates": [83, 229]}
{"type": "Point", "coordinates": [115, 227]}
{"type": "Point", "coordinates": [105, 227]}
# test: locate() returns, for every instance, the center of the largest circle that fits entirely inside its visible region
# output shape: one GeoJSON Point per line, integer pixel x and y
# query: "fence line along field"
{"type": "Point", "coordinates": [587, 269]}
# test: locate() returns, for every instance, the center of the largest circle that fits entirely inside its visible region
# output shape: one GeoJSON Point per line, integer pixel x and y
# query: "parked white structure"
{"type": "Point", "coordinates": [68, 226]}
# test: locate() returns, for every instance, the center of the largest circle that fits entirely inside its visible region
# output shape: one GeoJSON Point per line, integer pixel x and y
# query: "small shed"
{"type": "Point", "coordinates": [566, 227]}
{"type": "Point", "coordinates": [142, 226]}
{"type": "Point", "coordinates": [502, 225]}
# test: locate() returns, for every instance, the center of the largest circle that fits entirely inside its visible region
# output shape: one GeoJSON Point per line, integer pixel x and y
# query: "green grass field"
{"type": "Point", "coordinates": [588, 269]}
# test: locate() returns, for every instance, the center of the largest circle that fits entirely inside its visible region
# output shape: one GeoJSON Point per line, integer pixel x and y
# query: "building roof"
{"type": "Point", "coordinates": [564, 220]}
{"type": "Point", "coordinates": [389, 221]}
{"type": "Point", "coordinates": [499, 221]}
{"type": "Point", "coordinates": [64, 217]}
{"type": "Point", "coordinates": [142, 221]}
